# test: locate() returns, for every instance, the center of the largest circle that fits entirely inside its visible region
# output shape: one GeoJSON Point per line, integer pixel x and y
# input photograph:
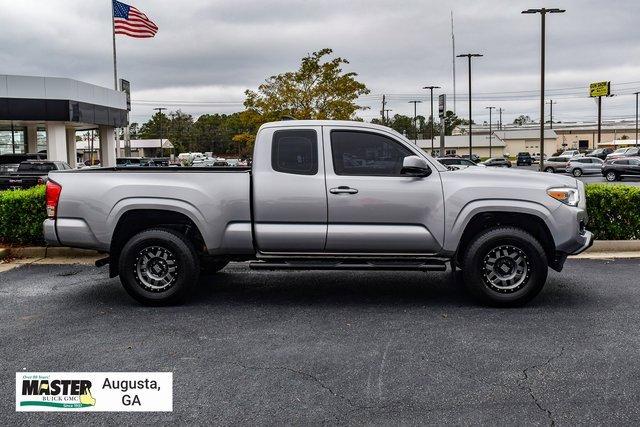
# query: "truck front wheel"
{"type": "Point", "coordinates": [504, 266]}
{"type": "Point", "coordinates": [159, 267]}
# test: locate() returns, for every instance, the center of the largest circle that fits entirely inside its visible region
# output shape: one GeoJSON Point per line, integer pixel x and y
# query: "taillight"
{"type": "Point", "coordinates": [51, 196]}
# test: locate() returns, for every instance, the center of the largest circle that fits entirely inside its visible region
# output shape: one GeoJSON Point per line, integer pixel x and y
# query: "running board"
{"type": "Point", "coordinates": [434, 265]}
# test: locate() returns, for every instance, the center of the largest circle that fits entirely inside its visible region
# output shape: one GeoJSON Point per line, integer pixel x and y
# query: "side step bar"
{"type": "Point", "coordinates": [434, 265]}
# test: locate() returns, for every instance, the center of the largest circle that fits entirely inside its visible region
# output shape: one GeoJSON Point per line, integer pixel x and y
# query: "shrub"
{"type": "Point", "coordinates": [614, 211]}
{"type": "Point", "coordinates": [21, 215]}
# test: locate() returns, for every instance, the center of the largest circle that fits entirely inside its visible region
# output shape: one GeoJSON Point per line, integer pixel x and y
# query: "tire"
{"type": "Point", "coordinates": [611, 176]}
{"type": "Point", "coordinates": [577, 172]}
{"type": "Point", "coordinates": [512, 249]}
{"type": "Point", "coordinates": [208, 267]}
{"type": "Point", "coordinates": [163, 250]}
{"type": "Point", "coordinates": [549, 170]}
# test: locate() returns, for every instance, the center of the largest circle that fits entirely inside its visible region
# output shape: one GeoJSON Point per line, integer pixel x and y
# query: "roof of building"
{"type": "Point", "coordinates": [148, 143]}
{"type": "Point", "coordinates": [524, 134]}
{"type": "Point", "coordinates": [461, 141]}
{"type": "Point", "coordinates": [135, 144]}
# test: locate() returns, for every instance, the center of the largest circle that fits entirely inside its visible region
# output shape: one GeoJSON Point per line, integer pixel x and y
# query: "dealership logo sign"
{"type": "Point", "coordinates": [94, 391]}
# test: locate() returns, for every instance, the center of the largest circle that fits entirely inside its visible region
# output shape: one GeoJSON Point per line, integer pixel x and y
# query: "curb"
{"type": "Point", "coordinates": [47, 252]}
{"type": "Point", "coordinates": [626, 248]}
{"type": "Point", "coordinates": [614, 246]}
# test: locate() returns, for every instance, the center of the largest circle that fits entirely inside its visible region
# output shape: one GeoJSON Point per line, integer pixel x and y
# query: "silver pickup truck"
{"type": "Point", "coordinates": [322, 195]}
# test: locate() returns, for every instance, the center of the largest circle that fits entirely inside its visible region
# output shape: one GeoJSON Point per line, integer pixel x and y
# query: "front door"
{"type": "Point", "coordinates": [372, 207]}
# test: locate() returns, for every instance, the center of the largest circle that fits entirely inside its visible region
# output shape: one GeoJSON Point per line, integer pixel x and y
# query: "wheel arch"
{"type": "Point", "coordinates": [133, 221]}
{"type": "Point", "coordinates": [531, 222]}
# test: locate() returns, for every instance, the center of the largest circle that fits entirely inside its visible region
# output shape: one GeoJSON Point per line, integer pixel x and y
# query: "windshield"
{"type": "Point", "coordinates": [620, 150]}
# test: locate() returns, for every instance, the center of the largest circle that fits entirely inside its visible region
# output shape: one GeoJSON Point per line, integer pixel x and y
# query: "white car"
{"type": "Point", "coordinates": [570, 153]}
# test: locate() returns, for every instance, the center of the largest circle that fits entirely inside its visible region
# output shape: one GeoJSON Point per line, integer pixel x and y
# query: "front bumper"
{"type": "Point", "coordinates": [583, 242]}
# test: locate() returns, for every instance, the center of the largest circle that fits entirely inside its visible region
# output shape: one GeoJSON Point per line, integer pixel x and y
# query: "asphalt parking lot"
{"type": "Point", "coordinates": [338, 347]}
{"type": "Point", "coordinates": [589, 179]}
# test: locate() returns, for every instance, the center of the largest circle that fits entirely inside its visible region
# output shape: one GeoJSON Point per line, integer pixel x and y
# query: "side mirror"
{"type": "Point", "coordinates": [415, 166]}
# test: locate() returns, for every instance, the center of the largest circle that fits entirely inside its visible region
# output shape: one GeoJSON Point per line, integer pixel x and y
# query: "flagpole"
{"type": "Point", "coordinates": [113, 33]}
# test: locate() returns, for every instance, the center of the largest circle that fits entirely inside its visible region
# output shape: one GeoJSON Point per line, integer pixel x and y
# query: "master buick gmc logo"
{"type": "Point", "coordinates": [57, 393]}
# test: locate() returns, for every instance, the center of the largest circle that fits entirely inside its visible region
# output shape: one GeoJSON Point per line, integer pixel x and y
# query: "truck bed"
{"type": "Point", "coordinates": [216, 199]}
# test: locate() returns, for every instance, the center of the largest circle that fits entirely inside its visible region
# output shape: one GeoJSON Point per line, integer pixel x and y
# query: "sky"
{"type": "Point", "coordinates": [208, 52]}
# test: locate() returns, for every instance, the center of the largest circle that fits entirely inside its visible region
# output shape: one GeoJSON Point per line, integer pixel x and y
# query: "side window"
{"type": "Point", "coordinates": [363, 153]}
{"type": "Point", "coordinates": [295, 151]}
{"type": "Point", "coordinates": [634, 162]}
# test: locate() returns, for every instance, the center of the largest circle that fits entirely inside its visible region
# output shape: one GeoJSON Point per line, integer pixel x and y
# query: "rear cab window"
{"type": "Point", "coordinates": [295, 151]}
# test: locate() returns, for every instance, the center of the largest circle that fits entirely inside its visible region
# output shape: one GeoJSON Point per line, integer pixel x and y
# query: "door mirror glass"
{"type": "Point", "coordinates": [415, 166]}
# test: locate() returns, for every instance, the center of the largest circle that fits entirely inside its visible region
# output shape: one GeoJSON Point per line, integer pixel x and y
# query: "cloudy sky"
{"type": "Point", "coordinates": [207, 52]}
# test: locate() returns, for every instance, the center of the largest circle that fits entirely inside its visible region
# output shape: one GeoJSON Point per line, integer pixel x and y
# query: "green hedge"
{"type": "Point", "coordinates": [21, 215]}
{"type": "Point", "coordinates": [614, 211]}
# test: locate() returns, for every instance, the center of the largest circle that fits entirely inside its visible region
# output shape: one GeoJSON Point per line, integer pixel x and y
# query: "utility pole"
{"type": "Point", "coordinates": [500, 122]}
{"type": "Point", "coordinates": [384, 103]}
{"type": "Point", "coordinates": [415, 127]}
{"type": "Point", "coordinates": [453, 61]}
{"type": "Point", "coordinates": [636, 94]}
{"type": "Point", "coordinates": [490, 131]}
{"type": "Point", "coordinates": [469, 56]}
{"type": "Point", "coordinates": [160, 110]}
{"type": "Point", "coordinates": [543, 12]}
{"type": "Point", "coordinates": [431, 88]}
{"type": "Point", "coordinates": [551, 102]}
{"type": "Point", "coordinates": [386, 110]}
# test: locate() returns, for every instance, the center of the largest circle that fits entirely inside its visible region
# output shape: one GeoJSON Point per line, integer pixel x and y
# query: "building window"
{"type": "Point", "coordinates": [41, 144]}
{"type": "Point", "coordinates": [12, 141]}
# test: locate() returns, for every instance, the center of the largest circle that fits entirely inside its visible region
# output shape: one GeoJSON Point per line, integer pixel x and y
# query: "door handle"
{"type": "Point", "coordinates": [343, 189]}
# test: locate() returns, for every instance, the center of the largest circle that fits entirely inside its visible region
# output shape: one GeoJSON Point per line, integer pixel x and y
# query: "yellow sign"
{"type": "Point", "coordinates": [599, 89]}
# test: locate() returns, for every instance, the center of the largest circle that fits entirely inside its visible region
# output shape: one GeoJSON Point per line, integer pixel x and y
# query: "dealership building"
{"type": "Point", "coordinates": [43, 114]}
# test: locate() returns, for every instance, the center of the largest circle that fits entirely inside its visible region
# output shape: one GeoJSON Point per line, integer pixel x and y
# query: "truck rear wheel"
{"type": "Point", "coordinates": [504, 266]}
{"type": "Point", "coordinates": [159, 267]}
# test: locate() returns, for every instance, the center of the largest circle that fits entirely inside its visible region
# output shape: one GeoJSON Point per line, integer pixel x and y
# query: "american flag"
{"type": "Point", "coordinates": [131, 22]}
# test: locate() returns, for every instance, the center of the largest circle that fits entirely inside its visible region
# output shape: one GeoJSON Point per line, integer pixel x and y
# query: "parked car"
{"type": "Point", "coordinates": [30, 174]}
{"type": "Point", "coordinates": [524, 159]}
{"type": "Point", "coordinates": [497, 162]}
{"type": "Point", "coordinates": [536, 157]}
{"type": "Point", "coordinates": [600, 153]}
{"type": "Point", "coordinates": [614, 170]}
{"type": "Point", "coordinates": [474, 158]}
{"type": "Point", "coordinates": [624, 152]}
{"type": "Point", "coordinates": [457, 162]}
{"type": "Point", "coordinates": [579, 166]}
{"type": "Point", "coordinates": [556, 164]}
{"type": "Point", "coordinates": [322, 194]}
{"type": "Point", "coordinates": [570, 153]}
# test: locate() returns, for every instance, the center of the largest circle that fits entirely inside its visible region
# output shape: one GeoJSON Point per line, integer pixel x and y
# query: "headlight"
{"type": "Point", "coordinates": [568, 196]}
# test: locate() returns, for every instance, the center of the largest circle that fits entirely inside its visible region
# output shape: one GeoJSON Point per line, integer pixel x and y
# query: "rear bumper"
{"type": "Point", "coordinates": [49, 231]}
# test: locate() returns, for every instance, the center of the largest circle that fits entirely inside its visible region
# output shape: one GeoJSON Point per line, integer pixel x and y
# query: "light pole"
{"type": "Point", "coordinates": [636, 94]}
{"type": "Point", "coordinates": [469, 56]}
{"type": "Point", "coordinates": [490, 133]}
{"type": "Point", "coordinates": [431, 88]}
{"type": "Point", "coordinates": [543, 12]}
{"type": "Point", "coordinates": [415, 130]}
{"type": "Point", "coordinates": [160, 110]}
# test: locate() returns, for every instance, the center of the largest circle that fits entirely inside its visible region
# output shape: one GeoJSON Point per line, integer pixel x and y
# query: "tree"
{"type": "Point", "coordinates": [522, 120]}
{"type": "Point", "coordinates": [319, 89]}
{"type": "Point", "coordinates": [134, 128]}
